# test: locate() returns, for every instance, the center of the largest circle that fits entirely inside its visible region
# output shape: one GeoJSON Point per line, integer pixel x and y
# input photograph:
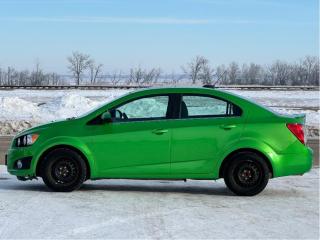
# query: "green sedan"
{"type": "Point", "coordinates": [166, 133]}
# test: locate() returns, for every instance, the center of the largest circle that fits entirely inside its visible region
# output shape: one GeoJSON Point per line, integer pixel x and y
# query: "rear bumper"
{"type": "Point", "coordinates": [293, 164]}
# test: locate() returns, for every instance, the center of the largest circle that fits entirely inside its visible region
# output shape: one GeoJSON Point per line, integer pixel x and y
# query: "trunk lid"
{"type": "Point", "coordinates": [294, 118]}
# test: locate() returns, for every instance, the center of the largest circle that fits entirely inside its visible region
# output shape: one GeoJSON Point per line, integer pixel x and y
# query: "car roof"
{"type": "Point", "coordinates": [177, 90]}
{"type": "Point", "coordinates": [194, 90]}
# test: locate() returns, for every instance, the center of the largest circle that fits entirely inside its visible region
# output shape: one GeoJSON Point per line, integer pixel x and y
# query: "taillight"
{"type": "Point", "coordinates": [297, 130]}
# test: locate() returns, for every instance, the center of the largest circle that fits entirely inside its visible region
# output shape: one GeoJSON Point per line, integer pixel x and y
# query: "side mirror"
{"type": "Point", "coordinates": [106, 117]}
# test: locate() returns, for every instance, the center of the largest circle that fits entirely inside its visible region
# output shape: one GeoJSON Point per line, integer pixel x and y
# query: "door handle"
{"type": "Point", "coordinates": [227, 126]}
{"type": "Point", "coordinates": [159, 131]}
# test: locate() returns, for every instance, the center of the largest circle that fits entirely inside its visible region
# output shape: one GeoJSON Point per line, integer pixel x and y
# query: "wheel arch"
{"type": "Point", "coordinates": [228, 158]}
{"type": "Point", "coordinates": [65, 146]}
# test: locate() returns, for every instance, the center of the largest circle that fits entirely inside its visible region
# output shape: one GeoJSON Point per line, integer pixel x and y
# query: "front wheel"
{"type": "Point", "coordinates": [247, 174]}
{"type": "Point", "coordinates": [63, 170]}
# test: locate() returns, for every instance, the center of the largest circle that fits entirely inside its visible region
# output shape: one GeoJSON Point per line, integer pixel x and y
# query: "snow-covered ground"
{"type": "Point", "coordinates": [20, 109]}
{"type": "Point", "coordinates": [287, 209]}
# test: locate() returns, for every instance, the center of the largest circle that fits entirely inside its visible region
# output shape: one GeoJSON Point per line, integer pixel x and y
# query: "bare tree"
{"type": "Point", "coordinates": [14, 77]}
{"type": "Point", "coordinates": [279, 73]}
{"type": "Point", "coordinates": [78, 62]}
{"type": "Point", "coordinates": [37, 76]}
{"type": "Point", "coordinates": [206, 74]}
{"type": "Point", "coordinates": [244, 74]}
{"type": "Point", "coordinates": [23, 78]}
{"type": "Point", "coordinates": [251, 74]}
{"type": "Point", "coordinates": [233, 73]}
{"type": "Point", "coordinates": [221, 75]}
{"type": "Point", "coordinates": [140, 76]}
{"type": "Point", "coordinates": [311, 67]}
{"type": "Point", "coordinates": [54, 79]}
{"type": "Point", "coordinates": [174, 78]}
{"type": "Point", "coordinates": [9, 76]}
{"type": "Point", "coordinates": [136, 75]}
{"type": "Point", "coordinates": [95, 71]}
{"type": "Point", "coordinates": [1, 77]}
{"type": "Point", "coordinates": [115, 78]}
{"type": "Point", "coordinates": [152, 76]}
{"type": "Point", "coordinates": [194, 68]}
{"type": "Point", "coordinates": [156, 75]}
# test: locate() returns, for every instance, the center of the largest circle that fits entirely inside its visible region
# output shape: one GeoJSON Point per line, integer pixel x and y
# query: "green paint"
{"type": "Point", "coordinates": [171, 148]}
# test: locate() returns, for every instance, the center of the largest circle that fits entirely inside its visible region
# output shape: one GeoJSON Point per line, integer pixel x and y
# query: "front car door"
{"type": "Point", "coordinates": [207, 125]}
{"type": "Point", "coordinates": [136, 144]}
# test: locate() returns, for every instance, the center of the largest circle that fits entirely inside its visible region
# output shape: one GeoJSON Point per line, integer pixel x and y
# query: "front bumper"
{"type": "Point", "coordinates": [25, 157]}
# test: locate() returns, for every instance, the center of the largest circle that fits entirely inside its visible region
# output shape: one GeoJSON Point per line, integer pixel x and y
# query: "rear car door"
{"type": "Point", "coordinates": [206, 126]}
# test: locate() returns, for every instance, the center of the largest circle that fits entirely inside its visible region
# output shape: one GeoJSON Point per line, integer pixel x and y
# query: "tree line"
{"type": "Point", "coordinates": [85, 70]}
{"type": "Point", "coordinates": [37, 77]}
{"type": "Point", "coordinates": [303, 72]}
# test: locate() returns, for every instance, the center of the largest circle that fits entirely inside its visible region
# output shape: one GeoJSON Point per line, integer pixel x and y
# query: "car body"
{"type": "Point", "coordinates": [166, 133]}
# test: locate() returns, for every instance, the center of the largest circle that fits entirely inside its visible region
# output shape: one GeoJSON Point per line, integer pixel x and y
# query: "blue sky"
{"type": "Point", "coordinates": [163, 33]}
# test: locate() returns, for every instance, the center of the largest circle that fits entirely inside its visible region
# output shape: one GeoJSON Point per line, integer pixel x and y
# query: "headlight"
{"type": "Point", "coordinates": [26, 140]}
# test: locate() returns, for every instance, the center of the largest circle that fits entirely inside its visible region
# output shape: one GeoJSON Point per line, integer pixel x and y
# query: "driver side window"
{"type": "Point", "coordinates": [148, 108]}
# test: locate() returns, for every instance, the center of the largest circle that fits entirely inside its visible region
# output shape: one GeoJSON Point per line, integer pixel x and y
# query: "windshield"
{"type": "Point", "coordinates": [102, 104]}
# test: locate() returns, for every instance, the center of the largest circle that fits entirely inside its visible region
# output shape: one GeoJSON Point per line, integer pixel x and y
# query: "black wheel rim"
{"type": "Point", "coordinates": [248, 174]}
{"type": "Point", "coordinates": [65, 171]}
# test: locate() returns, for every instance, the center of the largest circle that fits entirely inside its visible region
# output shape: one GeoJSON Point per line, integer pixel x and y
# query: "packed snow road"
{"type": "Point", "coordinates": [288, 208]}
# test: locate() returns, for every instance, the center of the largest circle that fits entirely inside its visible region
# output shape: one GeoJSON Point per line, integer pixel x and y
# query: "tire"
{"type": "Point", "coordinates": [246, 174]}
{"type": "Point", "coordinates": [22, 178]}
{"type": "Point", "coordinates": [63, 170]}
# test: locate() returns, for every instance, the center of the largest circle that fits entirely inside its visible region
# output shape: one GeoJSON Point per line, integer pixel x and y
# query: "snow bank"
{"type": "Point", "coordinates": [20, 109]}
{"type": "Point", "coordinates": [15, 126]}
{"type": "Point", "coordinates": [70, 105]}
{"type": "Point", "coordinates": [15, 108]}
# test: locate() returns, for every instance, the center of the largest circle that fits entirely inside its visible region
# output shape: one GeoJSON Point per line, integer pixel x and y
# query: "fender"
{"type": "Point", "coordinates": [68, 141]}
{"type": "Point", "coordinates": [246, 143]}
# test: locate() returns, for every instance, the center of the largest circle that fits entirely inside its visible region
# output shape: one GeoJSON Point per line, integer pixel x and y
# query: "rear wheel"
{"type": "Point", "coordinates": [246, 174]}
{"type": "Point", "coordinates": [63, 170]}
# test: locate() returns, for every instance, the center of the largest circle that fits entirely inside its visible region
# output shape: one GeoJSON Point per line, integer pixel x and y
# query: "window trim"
{"type": "Point", "coordinates": [174, 103]}
{"type": "Point", "coordinates": [207, 116]}
{"type": "Point", "coordinates": [171, 97]}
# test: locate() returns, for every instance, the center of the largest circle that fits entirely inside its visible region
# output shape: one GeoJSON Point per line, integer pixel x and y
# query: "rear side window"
{"type": "Point", "coordinates": [197, 106]}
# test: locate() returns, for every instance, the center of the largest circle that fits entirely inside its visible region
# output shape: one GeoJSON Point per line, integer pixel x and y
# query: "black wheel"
{"type": "Point", "coordinates": [22, 178]}
{"type": "Point", "coordinates": [63, 170]}
{"type": "Point", "coordinates": [246, 174]}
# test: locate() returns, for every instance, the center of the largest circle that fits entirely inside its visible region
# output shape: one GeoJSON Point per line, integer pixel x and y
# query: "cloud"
{"type": "Point", "coordinates": [143, 20]}
{"type": "Point", "coordinates": [273, 3]}
{"type": "Point", "coordinates": [108, 20]}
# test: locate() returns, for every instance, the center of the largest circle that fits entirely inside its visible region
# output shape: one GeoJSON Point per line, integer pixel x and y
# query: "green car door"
{"type": "Point", "coordinates": [207, 125]}
{"type": "Point", "coordinates": [136, 143]}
